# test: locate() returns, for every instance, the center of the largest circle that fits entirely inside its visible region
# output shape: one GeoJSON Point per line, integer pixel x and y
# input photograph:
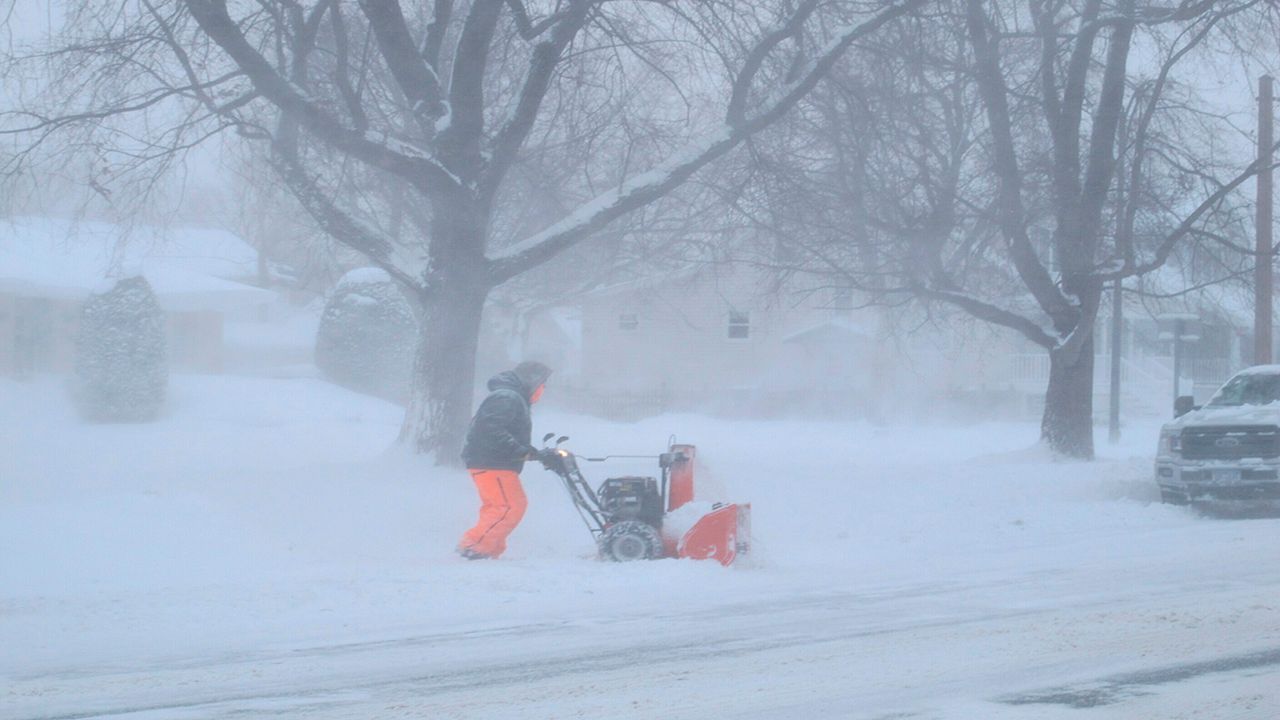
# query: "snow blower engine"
{"type": "Point", "coordinates": [642, 518]}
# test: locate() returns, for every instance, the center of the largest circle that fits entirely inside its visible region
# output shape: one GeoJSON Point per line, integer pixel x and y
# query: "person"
{"type": "Point", "coordinates": [497, 445]}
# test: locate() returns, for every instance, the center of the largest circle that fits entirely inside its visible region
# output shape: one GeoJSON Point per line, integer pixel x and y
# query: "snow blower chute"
{"type": "Point", "coordinates": [639, 518]}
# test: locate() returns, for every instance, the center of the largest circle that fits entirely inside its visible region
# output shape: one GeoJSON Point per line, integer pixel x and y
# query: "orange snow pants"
{"type": "Point", "coordinates": [502, 505]}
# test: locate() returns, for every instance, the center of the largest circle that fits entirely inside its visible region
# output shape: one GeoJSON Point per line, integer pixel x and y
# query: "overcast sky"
{"type": "Point", "coordinates": [1227, 82]}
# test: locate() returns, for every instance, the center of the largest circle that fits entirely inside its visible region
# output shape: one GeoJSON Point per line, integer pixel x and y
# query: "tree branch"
{"type": "Point", "coordinates": [460, 140]}
{"type": "Point", "coordinates": [413, 75]}
{"type": "Point", "coordinates": [341, 226]}
{"type": "Point", "coordinates": [528, 29]}
{"type": "Point", "coordinates": [410, 163]}
{"type": "Point", "coordinates": [1012, 214]}
{"type": "Point", "coordinates": [1100, 169]}
{"type": "Point", "coordinates": [436, 30]}
{"type": "Point", "coordinates": [984, 310]}
{"type": "Point", "coordinates": [542, 66]}
{"type": "Point", "coordinates": [644, 188]}
{"type": "Point", "coordinates": [342, 69]}
{"type": "Point", "coordinates": [735, 112]}
{"type": "Point", "coordinates": [1170, 242]}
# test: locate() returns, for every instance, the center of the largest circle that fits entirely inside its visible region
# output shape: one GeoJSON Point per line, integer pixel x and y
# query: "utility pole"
{"type": "Point", "coordinates": [1263, 289]}
{"type": "Point", "coordinates": [1177, 360]}
{"type": "Point", "coordinates": [1117, 296]}
{"type": "Point", "coordinates": [1117, 337]}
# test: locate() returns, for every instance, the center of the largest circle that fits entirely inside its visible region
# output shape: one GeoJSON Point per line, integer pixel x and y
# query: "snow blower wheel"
{"type": "Point", "coordinates": [630, 540]}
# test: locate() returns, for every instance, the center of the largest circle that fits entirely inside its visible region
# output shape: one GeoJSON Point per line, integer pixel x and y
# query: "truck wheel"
{"type": "Point", "coordinates": [630, 540]}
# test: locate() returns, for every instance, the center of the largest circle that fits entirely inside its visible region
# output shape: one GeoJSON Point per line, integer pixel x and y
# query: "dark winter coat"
{"type": "Point", "coordinates": [500, 434]}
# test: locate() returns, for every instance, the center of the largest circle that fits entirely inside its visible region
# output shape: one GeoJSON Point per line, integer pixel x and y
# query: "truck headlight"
{"type": "Point", "coordinates": [1171, 443]}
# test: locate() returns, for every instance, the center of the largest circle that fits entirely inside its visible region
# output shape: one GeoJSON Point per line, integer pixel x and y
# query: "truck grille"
{"type": "Point", "coordinates": [1231, 442]}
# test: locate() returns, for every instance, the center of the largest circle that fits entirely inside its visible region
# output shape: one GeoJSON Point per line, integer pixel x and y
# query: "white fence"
{"type": "Point", "coordinates": [1146, 384]}
{"type": "Point", "coordinates": [1032, 369]}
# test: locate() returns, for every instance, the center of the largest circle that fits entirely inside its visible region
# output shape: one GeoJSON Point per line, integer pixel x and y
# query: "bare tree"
{"type": "Point", "coordinates": [970, 158]}
{"type": "Point", "coordinates": [442, 99]}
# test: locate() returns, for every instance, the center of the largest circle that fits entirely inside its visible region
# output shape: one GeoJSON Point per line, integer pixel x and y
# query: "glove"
{"type": "Point", "coordinates": [548, 456]}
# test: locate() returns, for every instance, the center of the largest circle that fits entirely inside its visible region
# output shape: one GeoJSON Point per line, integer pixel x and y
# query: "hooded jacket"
{"type": "Point", "coordinates": [500, 434]}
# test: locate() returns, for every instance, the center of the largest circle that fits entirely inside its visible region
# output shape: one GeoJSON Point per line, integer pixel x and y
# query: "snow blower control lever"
{"type": "Point", "coordinates": [630, 517]}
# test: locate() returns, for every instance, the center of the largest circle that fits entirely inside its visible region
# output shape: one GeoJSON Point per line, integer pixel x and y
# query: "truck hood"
{"type": "Point", "coordinates": [1229, 415]}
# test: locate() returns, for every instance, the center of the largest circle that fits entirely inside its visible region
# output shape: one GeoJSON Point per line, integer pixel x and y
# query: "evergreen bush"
{"type": "Point", "coordinates": [122, 371]}
{"type": "Point", "coordinates": [367, 335]}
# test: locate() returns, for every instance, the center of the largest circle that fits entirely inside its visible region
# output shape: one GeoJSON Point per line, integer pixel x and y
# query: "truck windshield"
{"type": "Point", "coordinates": [1257, 389]}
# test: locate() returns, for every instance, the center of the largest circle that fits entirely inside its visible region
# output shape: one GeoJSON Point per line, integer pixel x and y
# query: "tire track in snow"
{"type": "Point", "coordinates": [1116, 688]}
{"type": "Point", "coordinates": [489, 677]}
{"type": "Point", "coordinates": [516, 658]}
{"type": "Point", "coordinates": [609, 645]}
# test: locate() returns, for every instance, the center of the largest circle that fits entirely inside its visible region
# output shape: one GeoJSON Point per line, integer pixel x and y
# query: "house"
{"type": "Point", "coordinates": [707, 339]}
{"type": "Point", "coordinates": [735, 339]}
{"type": "Point", "coordinates": [1217, 332]}
{"type": "Point", "coordinates": [49, 266]}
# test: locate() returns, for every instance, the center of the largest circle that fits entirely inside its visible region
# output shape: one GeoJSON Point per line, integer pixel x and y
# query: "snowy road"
{"type": "Point", "coordinates": [260, 553]}
{"type": "Point", "coordinates": [925, 651]}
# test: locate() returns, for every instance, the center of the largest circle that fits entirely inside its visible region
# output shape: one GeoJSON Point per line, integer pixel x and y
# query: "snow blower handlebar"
{"type": "Point", "coordinates": [665, 460]}
{"type": "Point", "coordinates": [565, 465]}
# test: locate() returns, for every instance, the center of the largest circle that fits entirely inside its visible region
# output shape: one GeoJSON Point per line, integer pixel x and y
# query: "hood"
{"type": "Point", "coordinates": [1230, 415]}
{"type": "Point", "coordinates": [508, 380]}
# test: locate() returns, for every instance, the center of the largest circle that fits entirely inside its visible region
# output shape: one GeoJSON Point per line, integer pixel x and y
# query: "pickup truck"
{"type": "Point", "coordinates": [1227, 451]}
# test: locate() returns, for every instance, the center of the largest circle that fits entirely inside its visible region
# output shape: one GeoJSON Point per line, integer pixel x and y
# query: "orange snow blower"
{"type": "Point", "coordinates": [643, 518]}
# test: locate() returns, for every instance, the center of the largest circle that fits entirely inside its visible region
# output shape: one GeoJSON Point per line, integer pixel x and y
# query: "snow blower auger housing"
{"type": "Point", "coordinates": [629, 516]}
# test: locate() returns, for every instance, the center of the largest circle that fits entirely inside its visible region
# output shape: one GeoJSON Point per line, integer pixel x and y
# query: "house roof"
{"type": "Point", "coordinates": [189, 268]}
{"type": "Point", "coordinates": [839, 330]}
{"type": "Point", "coordinates": [648, 281]}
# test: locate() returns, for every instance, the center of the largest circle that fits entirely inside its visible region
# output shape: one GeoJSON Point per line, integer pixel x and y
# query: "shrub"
{"type": "Point", "coordinates": [122, 371]}
{"type": "Point", "coordinates": [367, 335]}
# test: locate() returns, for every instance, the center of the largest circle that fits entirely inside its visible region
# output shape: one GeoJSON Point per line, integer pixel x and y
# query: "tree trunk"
{"type": "Point", "coordinates": [444, 371]}
{"type": "Point", "coordinates": [1067, 425]}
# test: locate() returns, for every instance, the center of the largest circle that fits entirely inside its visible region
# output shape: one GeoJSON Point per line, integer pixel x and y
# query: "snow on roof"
{"type": "Point", "coordinates": [648, 281]}
{"type": "Point", "coordinates": [833, 329]}
{"type": "Point", "coordinates": [189, 268]}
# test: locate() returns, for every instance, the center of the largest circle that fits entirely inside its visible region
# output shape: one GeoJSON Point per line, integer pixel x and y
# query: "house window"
{"type": "Point", "coordinates": [628, 321]}
{"type": "Point", "coordinates": [739, 325]}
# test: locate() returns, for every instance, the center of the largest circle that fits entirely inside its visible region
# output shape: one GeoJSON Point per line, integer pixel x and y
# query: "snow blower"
{"type": "Point", "coordinates": [643, 518]}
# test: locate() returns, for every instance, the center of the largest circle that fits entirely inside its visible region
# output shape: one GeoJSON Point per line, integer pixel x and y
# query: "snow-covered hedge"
{"type": "Point", "coordinates": [122, 370]}
{"type": "Point", "coordinates": [367, 335]}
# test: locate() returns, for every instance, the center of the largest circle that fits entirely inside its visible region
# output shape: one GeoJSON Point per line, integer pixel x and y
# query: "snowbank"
{"type": "Point", "coordinates": [264, 515]}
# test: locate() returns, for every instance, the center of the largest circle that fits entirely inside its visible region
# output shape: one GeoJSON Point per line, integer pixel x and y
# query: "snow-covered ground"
{"type": "Point", "coordinates": [263, 550]}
